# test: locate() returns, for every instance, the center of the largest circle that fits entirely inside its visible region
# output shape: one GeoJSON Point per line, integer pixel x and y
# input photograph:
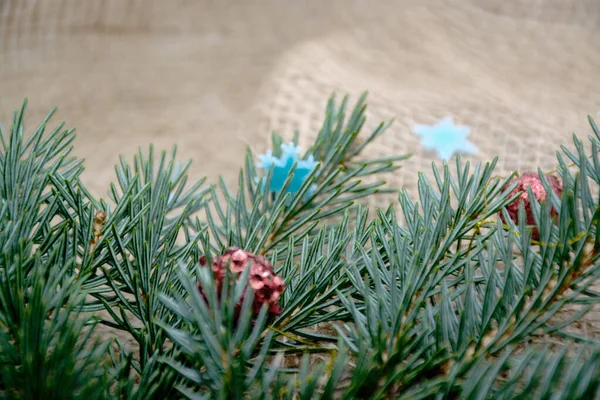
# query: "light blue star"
{"type": "Point", "coordinates": [291, 149]}
{"type": "Point", "coordinates": [445, 138]}
{"type": "Point", "coordinates": [267, 160]}
{"type": "Point", "coordinates": [282, 166]}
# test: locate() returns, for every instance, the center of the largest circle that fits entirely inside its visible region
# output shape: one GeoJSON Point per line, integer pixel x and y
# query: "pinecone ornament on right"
{"type": "Point", "coordinates": [532, 180]}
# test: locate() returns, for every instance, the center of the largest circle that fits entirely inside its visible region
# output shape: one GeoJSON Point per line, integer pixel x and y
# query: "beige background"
{"type": "Point", "coordinates": [214, 76]}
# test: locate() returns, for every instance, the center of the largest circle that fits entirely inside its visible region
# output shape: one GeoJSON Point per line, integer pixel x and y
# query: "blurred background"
{"type": "Point", "coordinates": [214, 76]}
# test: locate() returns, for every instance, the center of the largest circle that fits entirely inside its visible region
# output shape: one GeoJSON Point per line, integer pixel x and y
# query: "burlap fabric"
{"type": "Point", "coordinates": [213, 76]}
{"type": "Point", "coordinates": [522, 74]}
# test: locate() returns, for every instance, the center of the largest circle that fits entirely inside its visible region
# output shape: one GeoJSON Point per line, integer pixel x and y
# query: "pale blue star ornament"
{"type": "Point", "coordinates": [445, 138]}
{"type": "Point", "coordinates": [282, 167]}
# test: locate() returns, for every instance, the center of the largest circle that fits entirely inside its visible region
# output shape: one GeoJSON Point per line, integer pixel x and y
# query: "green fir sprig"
{"type": "Point", "coordinates": [100, 298]}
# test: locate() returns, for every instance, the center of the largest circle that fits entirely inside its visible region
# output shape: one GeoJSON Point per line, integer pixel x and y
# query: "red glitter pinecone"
{"type": "Point", "coordinates": [532, 180]}
{"type": "Point", "coordinates": [262, 280]}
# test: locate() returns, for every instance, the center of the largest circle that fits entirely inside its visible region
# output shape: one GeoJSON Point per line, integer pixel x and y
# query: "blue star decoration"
{"type": "Point", "coordinates": [282, 166]}
{"type": "Point", "coordinates": [445, 137]}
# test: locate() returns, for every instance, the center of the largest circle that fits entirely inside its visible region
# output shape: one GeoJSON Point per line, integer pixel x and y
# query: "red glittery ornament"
{"type": "Point", "coordinates": [533, 181]}
{"type": "Point", "coordinates": [262, 280]}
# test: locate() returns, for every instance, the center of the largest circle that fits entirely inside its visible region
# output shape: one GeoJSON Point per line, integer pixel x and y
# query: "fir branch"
{"type": "Point", "coordinates": [404, 290]}
{"type": "Point", "coordinates": [259, 221]}
{"type": "Point", "coordinates": [46, 350]}
{"type": "Point", "coordinates": [50, 354]}
{"type": "Point", "coordinates": [216, 338]}
{"type": "Point", "coordinates": [139, 247]}
{"type": "Point", "coordinates": [536, 374]}
{"type": "Point", "coordinates": [435, 308]}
